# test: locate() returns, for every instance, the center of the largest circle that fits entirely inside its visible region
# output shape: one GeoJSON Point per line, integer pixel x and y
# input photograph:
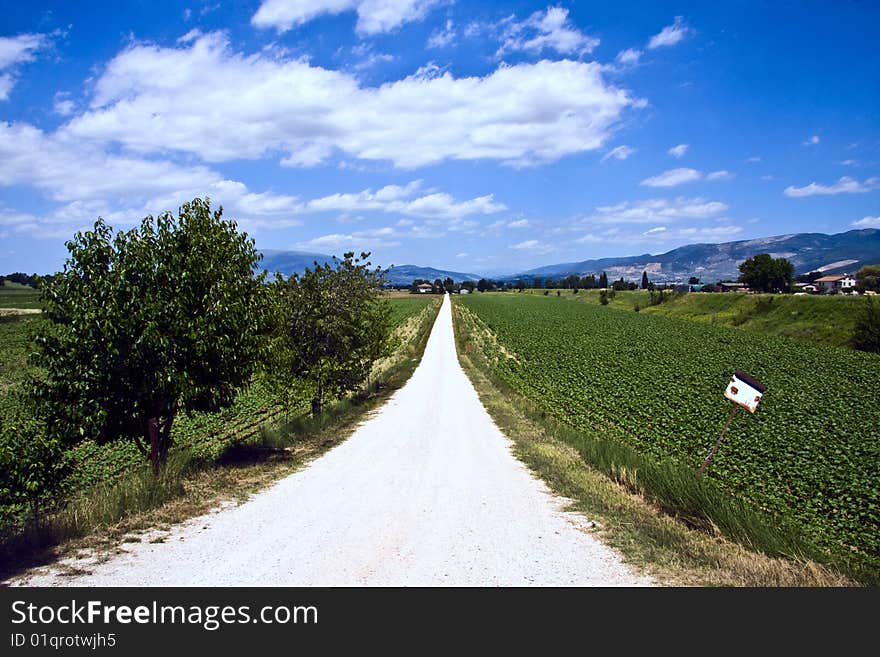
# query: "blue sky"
{"type": "Point", "coordinates": [481, 137]}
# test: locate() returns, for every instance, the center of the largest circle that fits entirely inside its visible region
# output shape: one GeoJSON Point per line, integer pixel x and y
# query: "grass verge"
{"type": "Point", "coordinates": [663, 518]}
{"type": "Point", "coordinates": [96, 522]}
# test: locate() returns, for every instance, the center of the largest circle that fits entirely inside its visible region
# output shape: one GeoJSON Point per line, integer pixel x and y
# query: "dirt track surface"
{"type": "Point", "coordinates": [425, 492]}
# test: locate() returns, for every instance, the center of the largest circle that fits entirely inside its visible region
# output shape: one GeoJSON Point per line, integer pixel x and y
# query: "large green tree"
{"type": "Point", "coordinates": [765, 273]}
{"type": "Point", "coordinates": [332, 324]}
{"type": "Point", "coordinates": [147, 323]}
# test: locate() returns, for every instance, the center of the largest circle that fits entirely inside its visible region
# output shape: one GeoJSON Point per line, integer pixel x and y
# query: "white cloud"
{"type": "Point", "coordinates": [533, 246]}
{"type": "Point", "coordinates": [442, 38]}
{"type": "Point", "coordinates": [374, 16]}
{"type": "Point", "coordinates": [682, 175]}
{"type": "Point", "coordinates": [849, 163]}
{"type": "Point", "coordinates": [62, 105]}
{"type": "Point", "coordinates": [672, 178]}
{"type": "Point", "coordinates": [619, 153]}
{"type": "Point", "coordinates": [845, 185]}
{"type": "Point", "coordinates": [152, 100]}
{"type": "Point", "coordinates": [657, 211]}
{"type": "Point", "coordinates": [754, 159]}
{"type": "Point", "coordinates": [663, 234]}
{"type": "Point", "coordinates": [519, 223]}
{"type": "Point", "coordinates": [548, 30]}
{"type": "Point", "coordinates": [630, 56]}
{"type": "Point", "coordinates": [462, 255]}
{"type": "Point", "coordinates": [367, 239]}
{"type": "Point", "coordinates": [15, 51]}
{"type": "Point", "coordinates": [867, 222]}
{"type": "Point", "coordinates": [654, 231]}
{"type": "Point", "coordinates": [812, 141]}
{"type": "Point", "coordinates": [678, 151]}
{"type": "Point", "coordinates": [669, 35]}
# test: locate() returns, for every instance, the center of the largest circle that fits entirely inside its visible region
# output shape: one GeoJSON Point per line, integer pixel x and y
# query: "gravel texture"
{"type": "Point", "coordinates": [425, 492]}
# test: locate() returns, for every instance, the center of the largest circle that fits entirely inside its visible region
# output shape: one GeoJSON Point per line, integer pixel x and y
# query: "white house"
{"type": "Point", "coordinates": [836, 283]}
{"type": "Point", "coordinates": [424, 288]}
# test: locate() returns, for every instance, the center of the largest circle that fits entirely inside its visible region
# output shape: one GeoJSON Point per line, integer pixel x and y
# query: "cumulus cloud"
{"type": "Point", "coordinates": [152, 100]}
{"type": "Point", "coordinates": [547, 30]}
{"type": "Point", "coordinates": [628, 57]}
{"type": "Point", "coordinates": [619, 153]}
{"type": "Point", "coordinates": [442, 38]}
{"type": "Point", "coordinates": [655, 211]}
{"type": "Point", "coordinates": [811, 141]}
{"type": "Point", "coordinates": [366, 239]}
{"type": "Point", "coordinates": [845, 185]}
{"type": "Point", "coordinates": [678, 151]}
{"type": "Point", "coordinates": [374, 16]}
{"type": "Point", "coordinates": [673, 177]}
{"type": "Point", "coordinates": [867, 222]}
{"type": "Point", "coordinates": [669, 35]}
{"type": "Point", "coordinates": [680, 176]}
{"type": "Point", "coordinates": [533, 246]}
{"type": "Point", "coordinates": [15, 51]}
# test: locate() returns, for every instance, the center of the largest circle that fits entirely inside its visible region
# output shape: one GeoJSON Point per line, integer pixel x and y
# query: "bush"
{"type": "Point", "coordinates": [867, 334]}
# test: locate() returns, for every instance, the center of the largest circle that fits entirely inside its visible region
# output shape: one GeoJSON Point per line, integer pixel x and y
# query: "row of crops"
{"type": "Point", "coordinates": [811, 452]}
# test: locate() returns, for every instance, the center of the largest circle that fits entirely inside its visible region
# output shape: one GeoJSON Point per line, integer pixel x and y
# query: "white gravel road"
{"type": "Point", "coordinates": [426, 492]}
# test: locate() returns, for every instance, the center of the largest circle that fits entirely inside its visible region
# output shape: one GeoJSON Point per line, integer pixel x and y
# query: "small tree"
{"type": "Point", "coordinates": [332, 325]}
{"type": "Point", "coordinates": [603, 296]}
{"type": "Point", "coordinates": [520, 285]}
{"type": "Point", "coordinates": [603, 280]}
{"type": "Point", "coordinates": [154, 321]}
{"type": "Point", "coordinates": [33, 465]}
{"type": "Point", "coordinates": [693, 280]}
{"type": "Point", "coordinates": [644, 280]}
{"type": "Point", "coordinates": [867, 333]}
{"type": "Point", "coordinates": [767, 274]}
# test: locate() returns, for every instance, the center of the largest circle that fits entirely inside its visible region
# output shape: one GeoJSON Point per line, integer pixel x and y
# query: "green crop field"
{"type": "Point", "coordinates": [820, 319]}
{"type": "Point", "coordinates": [14, 295]}
{"type": "Point", "coordinates": [811, 453]}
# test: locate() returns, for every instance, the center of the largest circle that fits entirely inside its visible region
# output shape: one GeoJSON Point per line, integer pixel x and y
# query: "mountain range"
{"type": "Point", "coordinates": [295, 262]}
{"type": "Point", "coordinates": [710, 262]}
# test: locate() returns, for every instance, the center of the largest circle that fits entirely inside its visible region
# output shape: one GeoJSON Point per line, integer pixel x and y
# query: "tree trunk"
{"type": "Point", "coordinates": [316, 401]}
{"type": "Point", "coordinates": [153, 435]}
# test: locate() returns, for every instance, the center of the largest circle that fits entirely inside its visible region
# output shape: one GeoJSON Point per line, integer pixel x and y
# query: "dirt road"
{"type": "Point", "coordinates": [426, 492]}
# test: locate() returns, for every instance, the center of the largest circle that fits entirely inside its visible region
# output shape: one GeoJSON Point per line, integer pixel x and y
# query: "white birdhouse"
{"type": "Point", "coordinates": [745, 391]}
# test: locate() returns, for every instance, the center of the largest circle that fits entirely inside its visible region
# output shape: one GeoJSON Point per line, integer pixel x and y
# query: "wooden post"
{"type": "Point", "coordinates": [730, 417]}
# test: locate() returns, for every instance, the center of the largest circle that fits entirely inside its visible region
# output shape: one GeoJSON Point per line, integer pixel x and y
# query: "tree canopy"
{"type": "Point", "coordinates": [765, 273]}
{"type": "Point", "coordinates": [331, 326]}
{"type": "Point", "coordinates": [156, 320]}
{"type": "Point", "coordinates": [868, 278]}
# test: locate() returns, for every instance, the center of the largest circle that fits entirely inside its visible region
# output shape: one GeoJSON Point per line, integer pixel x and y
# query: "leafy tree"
{"type": "Point", "coordinates": [868, 278]}
{"type": "Point", "coordinates": [693, 280]}
{"type": "Point", "coordinates": [767, 274]}
{"type": "Point", "coordinates": [867, 333]}
{"type": "Point", "coordinates": [644, 280]}
{"type": "Point", "coordinates": [603, 280]}
{"type": "Point", "coordinates": [520, 285]}
{"type": "Point", "coordinates": [332, 324]}
{"type": "Point", "coordinates": [620, 285]}
{"type": "Point", "coordinates": [438, 286]}
{"type": "Point", "coordinates": [809, 277]}
{"type": "Point", "coordinates": [483, 285]}
{"type": "Point", "coordinates": [157, 320]}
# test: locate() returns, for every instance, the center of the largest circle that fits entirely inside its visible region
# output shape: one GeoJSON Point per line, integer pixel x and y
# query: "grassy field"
{"type": "Point", "coordinates": [14, 295]}
{"type": "Point", "coordinates": [809, 457]}
{"type": "Point", "coordinates": [827, 320]}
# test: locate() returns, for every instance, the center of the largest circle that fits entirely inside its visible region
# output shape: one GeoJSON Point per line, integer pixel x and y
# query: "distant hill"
{"type": "Point", "coordinates": [295, 262]}
{"type": "Point", "coordinates": [712, 262]}
{"type": "Point", "coordinates": [291, 262]}
{"type": "Point", "coordinates": [406, 274]}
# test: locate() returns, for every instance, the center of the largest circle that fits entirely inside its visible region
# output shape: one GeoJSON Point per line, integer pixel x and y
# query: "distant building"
{"type": "Point", "coordinates": [836, 283]}
{"type": "Point", "coordinates": [733, 287]}
{"type": "Point", "coordinates": [425, 288]}
{"type": "Point", "coordinates": [464, 290]}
